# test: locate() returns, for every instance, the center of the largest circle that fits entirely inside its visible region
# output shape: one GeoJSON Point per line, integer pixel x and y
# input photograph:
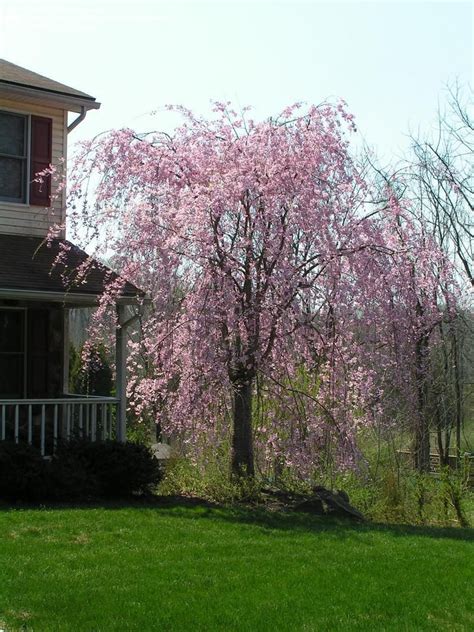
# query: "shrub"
{"type": "Point", "coordinates": [209, 479]}
{"type": "Point", "coordinates": [79, 470]}
{"type": "Point", "coordinates": [385, 490]}
{"type": "Point", "coordinates": [406, 496]}
{"type": "Point", "coordinates": [23, 474]}
{"type": "Point", "coordinates": [107, 469]}
{"type": "Point", "coordinates": [69, 478]}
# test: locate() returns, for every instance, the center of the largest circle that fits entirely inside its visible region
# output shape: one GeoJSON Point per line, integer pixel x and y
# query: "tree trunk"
{"type": "Point", "coordinates": [422, 430]}
{"type": "Point", "coordinates": [242, 439]}
{"type": "Point", "coordinates": [422, 447]}
{"type": "Point", "coordinates": [458, 394]}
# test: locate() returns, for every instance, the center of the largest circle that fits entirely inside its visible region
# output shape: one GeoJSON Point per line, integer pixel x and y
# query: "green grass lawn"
{"type": "Point", "coordinates": [196, 568]}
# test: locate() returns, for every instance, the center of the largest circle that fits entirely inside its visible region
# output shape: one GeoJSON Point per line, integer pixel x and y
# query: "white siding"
{"type": "Point", "coordinates": [35, 220]}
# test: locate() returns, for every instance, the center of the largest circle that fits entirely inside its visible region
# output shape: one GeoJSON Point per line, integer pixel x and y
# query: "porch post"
{"type": "Point", "coordinates": [121, 374]}
{"type": "Point", "coordinates": [65, 378]}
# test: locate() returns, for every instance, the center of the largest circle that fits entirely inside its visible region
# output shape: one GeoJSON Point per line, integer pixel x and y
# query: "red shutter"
{"type": "Point", "coordinates": [41, 149]}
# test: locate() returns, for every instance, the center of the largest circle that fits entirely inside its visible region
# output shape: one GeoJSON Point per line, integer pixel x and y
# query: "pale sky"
{"type": "Point", "coordinates": [389, 61]}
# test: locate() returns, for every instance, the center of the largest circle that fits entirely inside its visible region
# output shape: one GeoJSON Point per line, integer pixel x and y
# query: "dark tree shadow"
{"type": "Point", "coordinates": [289, 521]}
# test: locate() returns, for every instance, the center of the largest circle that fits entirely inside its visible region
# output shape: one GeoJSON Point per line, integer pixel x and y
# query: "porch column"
{"type": "Point", "coordinates": [121, 374]}
{"type": "Point", "coordinates": [65, 376]}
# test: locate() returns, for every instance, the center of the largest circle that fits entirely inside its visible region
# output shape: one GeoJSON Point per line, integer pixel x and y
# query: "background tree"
{"type": "Point", "coordinates": [435, 182]}
{"type": "Point", "coordinates": [442, 174]}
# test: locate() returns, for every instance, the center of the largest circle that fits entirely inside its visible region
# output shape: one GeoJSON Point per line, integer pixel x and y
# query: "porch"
{"type": "Point", "coordinates": [36, 406]}
{"type": "Point", "coordinates": [44, 422]}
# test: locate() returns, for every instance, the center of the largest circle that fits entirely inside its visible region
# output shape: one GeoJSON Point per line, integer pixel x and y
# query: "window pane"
{"type": "Point", "coordinates": [12, 134]}
{"type": "Point", "coordinates": [12, 338]}
{"type": "Point", "coordinates": [11, 375]}
{"type": "Point", "coordinates": [12, 178]}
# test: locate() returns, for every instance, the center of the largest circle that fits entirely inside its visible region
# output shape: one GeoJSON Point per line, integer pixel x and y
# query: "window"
{"type": "Point", "coordinates": [25, 149]}
{"type": "Point", "coordinates": [13, 157]}
{"type": "Point", "coordinates": [12, 353]}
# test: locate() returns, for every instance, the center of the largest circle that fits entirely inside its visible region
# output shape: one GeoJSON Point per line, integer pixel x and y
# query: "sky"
{"type": "Point", "coordinates": [390, 61]}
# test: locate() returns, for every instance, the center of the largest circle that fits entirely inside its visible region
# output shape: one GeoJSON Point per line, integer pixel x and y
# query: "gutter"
{"type": "Point", "coordinates": [71, 102]}
{"type": "Point", "coordinates": [68, 298]}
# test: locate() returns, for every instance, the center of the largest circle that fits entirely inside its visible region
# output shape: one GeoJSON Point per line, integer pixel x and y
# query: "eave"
{"type": "Point", "coordinates": [50, 97]}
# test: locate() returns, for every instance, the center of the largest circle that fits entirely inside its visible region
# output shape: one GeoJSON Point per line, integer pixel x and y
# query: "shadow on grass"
{"type": "Point", "coordinates": [291, 521]}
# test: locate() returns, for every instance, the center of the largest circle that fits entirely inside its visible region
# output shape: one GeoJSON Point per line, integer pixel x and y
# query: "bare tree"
{"type": "Point", "coordinates": [441, 184]}
{"type": "Point", "coordinates": [437, 177]}
{"type": "Point", "coordinates": [442, 178]}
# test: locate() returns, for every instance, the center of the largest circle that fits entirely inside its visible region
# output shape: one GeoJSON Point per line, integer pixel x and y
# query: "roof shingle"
{"type": "Point", "coordinates": [12, 74]}
{"type": "Point", "coordinates": [28, 263]}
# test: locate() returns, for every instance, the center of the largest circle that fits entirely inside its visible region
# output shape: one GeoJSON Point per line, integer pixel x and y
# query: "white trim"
{"type": "Point", "coordinates": [69, 298]}
{"type": "Point", "coordinates": [70, 399]}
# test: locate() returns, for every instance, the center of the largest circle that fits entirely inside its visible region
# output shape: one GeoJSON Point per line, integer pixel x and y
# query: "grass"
{"type": "Point", "coordinates": [196, 568]}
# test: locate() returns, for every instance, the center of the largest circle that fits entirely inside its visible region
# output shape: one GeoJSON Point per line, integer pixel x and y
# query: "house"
{"type": "Point", "coordinates": [36, 116]}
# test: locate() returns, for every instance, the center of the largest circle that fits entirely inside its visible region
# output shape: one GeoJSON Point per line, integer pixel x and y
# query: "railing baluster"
{"type": "Point", "coordinates": [87, 420]}
{"type": "Point", "coordinates": [55, 428]}
{"type": "Point", "coordinates": [3, 422]}
{"type": "Point", "coordinates": [68, 422]}
{"type": "Point", "coordinates": [17, 423]}
{"type": "Point", "coordinates": [103, 418]}
{"type": "Point", "coordinates": [94, 421]}
{"type": "Point", "coordinates": [30, 424]}
{"type": "Point", "coordinates": [80, 421]}
{"type": "Point", "coordinates": [43, 419]}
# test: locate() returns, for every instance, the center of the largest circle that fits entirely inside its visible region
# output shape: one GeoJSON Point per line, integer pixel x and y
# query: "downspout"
{"type": "Point", "coordinates": [78, 120]}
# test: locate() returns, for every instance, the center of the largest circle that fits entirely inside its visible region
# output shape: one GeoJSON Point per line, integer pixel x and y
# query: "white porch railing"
{"type": "Point", "coordinates": [44, 422]}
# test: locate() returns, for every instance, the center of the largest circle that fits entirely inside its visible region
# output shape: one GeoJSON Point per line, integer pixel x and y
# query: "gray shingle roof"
{"type": "Point", "coordinates": [26, 263]}
{"type": "Point", "coordinates": [11, 74]}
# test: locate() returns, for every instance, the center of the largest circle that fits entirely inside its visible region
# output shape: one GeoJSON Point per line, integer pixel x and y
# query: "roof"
{"type": "Point", "coordinates": [27, 264]}
{"type": "Point", "coordinates": [16, 77]}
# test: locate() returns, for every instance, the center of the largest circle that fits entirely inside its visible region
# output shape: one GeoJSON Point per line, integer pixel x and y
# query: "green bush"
{"type": "Point", "coordinates": [385, 490]}
{"type": "Point", "coordinates": [22, 472]}
{"type": "Point", "coordinates": [402, 495]}
{"type": "Point", "coordinates": [209, 479]}
{"type": "Point", "coordinates": [106, 469]}
{"type": "Point", "coordinates": [78, 470]}
{"type": "Point", "coordinates": [69, 478]}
